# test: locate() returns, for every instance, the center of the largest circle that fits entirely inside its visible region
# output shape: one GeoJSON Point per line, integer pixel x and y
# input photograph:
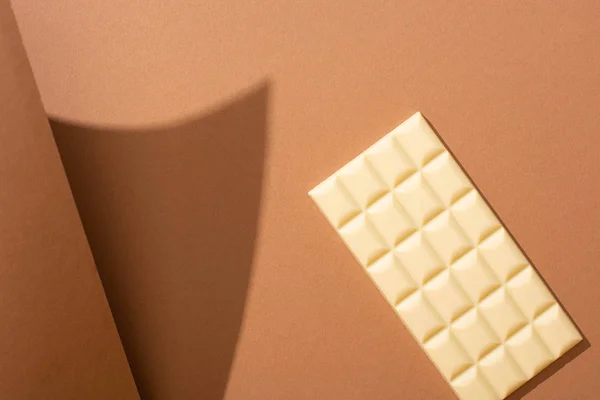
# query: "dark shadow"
{"type": "Point", "coordinates": [171, 215]}
{"type": "Point", "coordinates": [569, 355]}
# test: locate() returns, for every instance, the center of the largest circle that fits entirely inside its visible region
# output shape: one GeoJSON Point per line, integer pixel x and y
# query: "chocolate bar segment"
{"type": "Point", "coordinates": [442, 259]}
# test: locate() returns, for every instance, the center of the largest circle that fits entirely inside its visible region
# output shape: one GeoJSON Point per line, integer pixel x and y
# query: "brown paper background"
{"type": "Point", "coordinates": [512, 87]}
{"type": "Point", "coordinates": [175, 256]}
{"type": "Point", "coordinates": [57, 336]}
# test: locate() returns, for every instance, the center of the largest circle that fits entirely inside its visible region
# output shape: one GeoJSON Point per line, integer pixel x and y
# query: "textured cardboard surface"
{"type": "Point", "coordinates": [512, 87]}
{"type": "Point", "coordinates": [57, 337]}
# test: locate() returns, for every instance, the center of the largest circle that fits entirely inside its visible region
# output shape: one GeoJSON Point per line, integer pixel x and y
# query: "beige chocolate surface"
{"type": "Point", "coordinates": [512, 86]}
{"type": "Point", "coordinates": [442, 259]}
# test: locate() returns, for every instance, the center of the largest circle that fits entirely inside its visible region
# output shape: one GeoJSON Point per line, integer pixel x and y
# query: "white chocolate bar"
{"type": "Point", "coordinates": [439, 255]}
